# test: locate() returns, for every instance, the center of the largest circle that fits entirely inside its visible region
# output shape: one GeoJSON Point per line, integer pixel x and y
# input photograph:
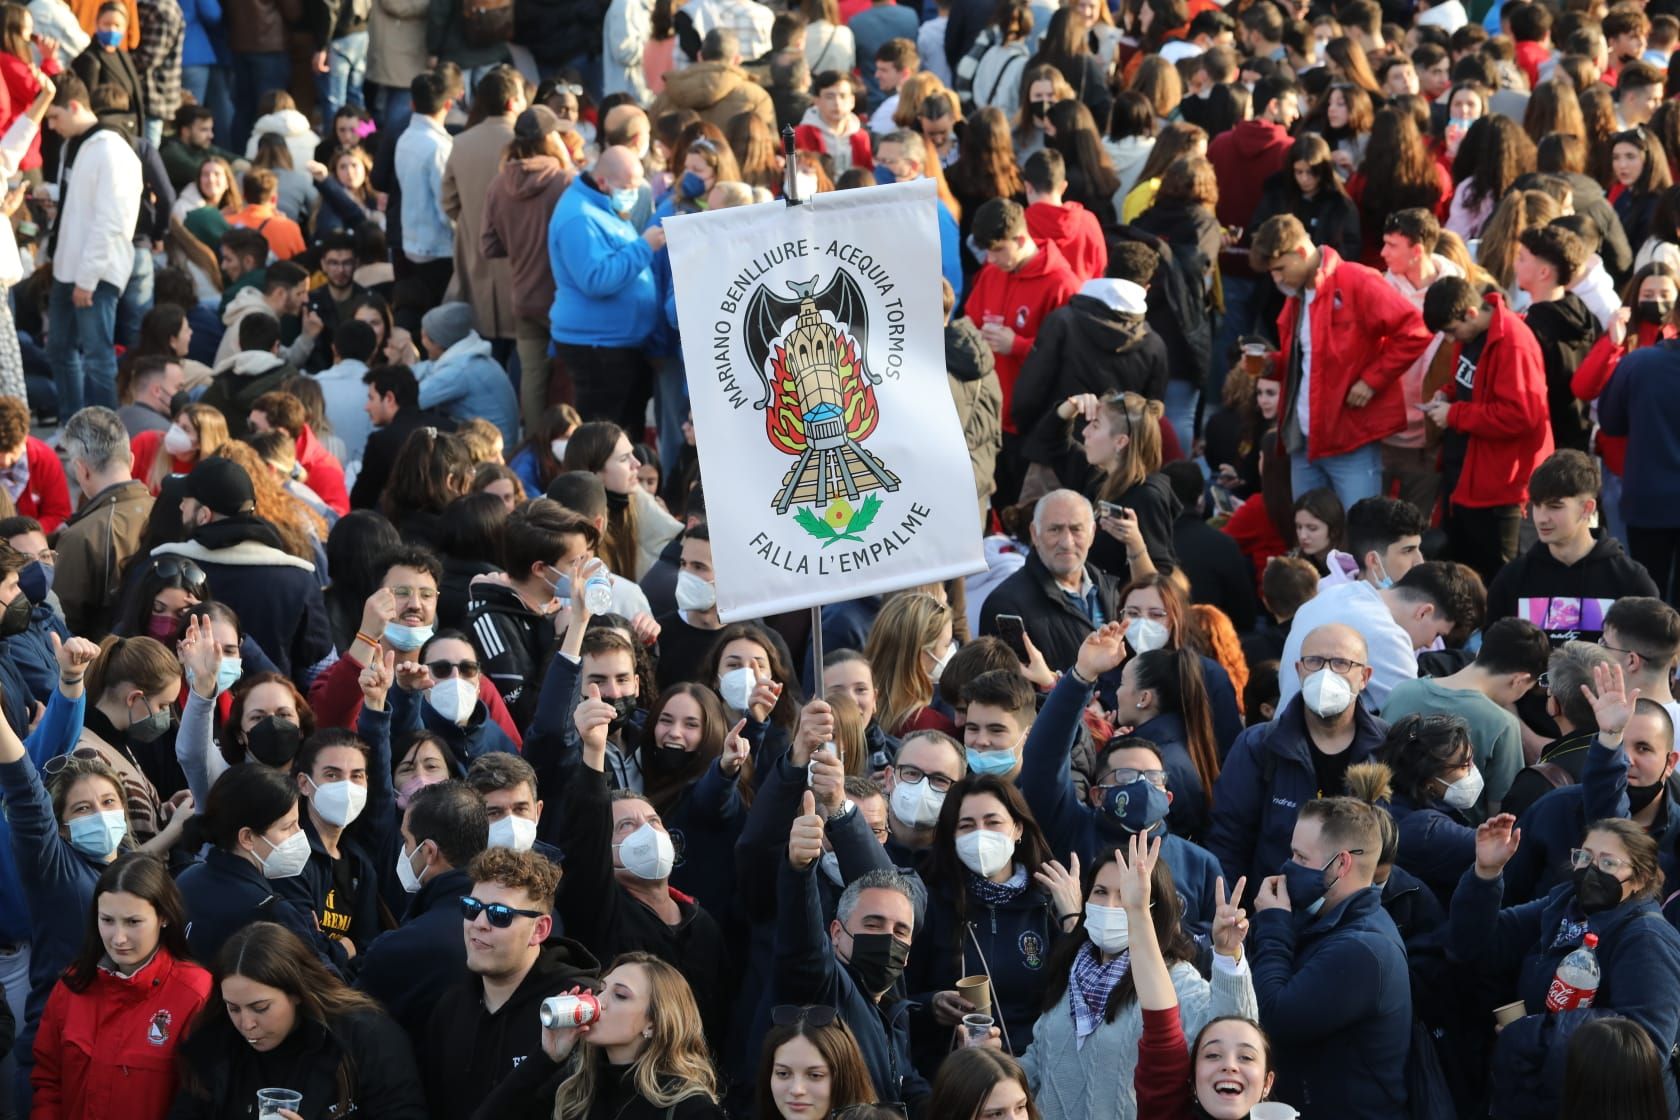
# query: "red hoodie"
{"type": "Point", "coordinates": [1244, 157]}
{"type": "Point", "coordinates": [1020, 300]}
{"type": "Point", "coordinates": [1508, 422]}
{"type": "Point", "coordinates": [1529, 56]}
{"type": "Point", "coordinates": [1075, 232]}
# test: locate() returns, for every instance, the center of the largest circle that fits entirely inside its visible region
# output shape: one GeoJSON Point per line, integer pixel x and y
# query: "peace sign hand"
{"type": "Point", "coordinates": [1230, 921]}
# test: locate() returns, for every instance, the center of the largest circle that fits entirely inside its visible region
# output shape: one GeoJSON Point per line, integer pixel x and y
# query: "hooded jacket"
{"type": "Point", "coordinates": [224, 893]}
{"type": "Point", "coordinates": [301, 140]}
{"type": "Point", "coordinates": [515, 642]}
{"type": "Point", "coordinates": [109, 1050]}
{"type": "Point", "coordinates": [1098, 342]}
{"type": "Point", "coordinates": [465, 382]}
{"type": "Point", "coordinates": [1020, 300]}
{"type": "Point", "coordinates": [517, 210]}
{"type": "Point", "coordinates": [467, 1048]}
{"type": "Point", "coordinates": [1506, 420]}
{"type": "Point", "coordinates": [1568, 601]}
{"type": "Point", "coordinates": [1244, 158]}
{"type": "Point", "coordinates": [971, 373]}
{"type": "Point", "coordinates": [848, 146]}
{"type": "Point", "coordinates": [240, 380]}
{"type": "Point", "coordinates": [1075, 231]}
{"type": "Point", "coordinates": [717, 90]}
{"type": "Point", "coordinates": [1566, 330]}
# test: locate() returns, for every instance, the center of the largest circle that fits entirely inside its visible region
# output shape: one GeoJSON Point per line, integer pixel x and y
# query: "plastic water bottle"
{"type": "Point", "coordinates": [1576, 982]}
{"type": "Point", "coordinates": [598, 592]}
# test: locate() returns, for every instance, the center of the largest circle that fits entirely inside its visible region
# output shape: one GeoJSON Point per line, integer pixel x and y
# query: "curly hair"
{"type": "Point", "coordinates": [531, 872]}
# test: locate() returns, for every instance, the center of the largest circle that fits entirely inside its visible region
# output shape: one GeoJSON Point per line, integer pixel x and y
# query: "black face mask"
{"type": "Point", "coordinates": [1641, 796]}
{"type": "Point", "coordinates": [274, 741]}
{"type": "Point", "coordinates": [15, 619]}
{"type": "Point", "coordinates": [878, 960]}
{"type": "Point", "coordinates": [1596, 890]}
{"type": "Point", "coordinates": [623, 708]}
{"type": "Point", "coordinates": [1039, 109]}
{"type": "Point", "coordinates": [1655, 310]}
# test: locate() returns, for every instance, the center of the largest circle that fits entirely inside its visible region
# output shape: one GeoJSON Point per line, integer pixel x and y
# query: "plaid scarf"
{"type": "Point", "coordinates": [998, 894]}
{"type": "Point", "coordinates": [1090, 983]}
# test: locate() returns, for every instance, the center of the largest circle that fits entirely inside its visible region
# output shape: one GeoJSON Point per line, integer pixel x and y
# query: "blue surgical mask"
{"type": "Point", "coordinates": [35, 581]}
{"type": "Point", "coordinates": [407, 637]}
{"type": "Point", "coordinates": [995, 763]}
{"type": "Point", "coordinates": [692, 186]}
{"type": "Point", "coordinates": [624, 201]}
{"type": "Point", "coordinates": [98, 834]}
{"type": "Point", "coordinates": [884, 174]}
{"type": "Point", "coordinates": [110, 39]}
{"type": "Point", "coordinates": [1382, 581]}
{"type": "Point", "coordinates": [227, 675]}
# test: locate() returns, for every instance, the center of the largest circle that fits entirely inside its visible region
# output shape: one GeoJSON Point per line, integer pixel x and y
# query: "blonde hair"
{"type": "Point", "coordinates": [849, 734]}
{"type": "Point", "coordinates": [1139, 419]}
{"type": "Point", "coordinates": [674, 1065]}
{"type": "Point", "coordinates": [211, 426]}
{"type": "Point", "coordinates": [906, 626]}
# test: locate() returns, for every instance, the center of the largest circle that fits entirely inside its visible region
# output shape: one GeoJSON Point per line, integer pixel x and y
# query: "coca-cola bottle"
{"type": "Point", "coordinates": [1576, 982]}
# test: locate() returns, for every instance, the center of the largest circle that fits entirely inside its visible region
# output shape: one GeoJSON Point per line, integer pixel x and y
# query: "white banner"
{"type": "Point", "coordinates": [835, 465]}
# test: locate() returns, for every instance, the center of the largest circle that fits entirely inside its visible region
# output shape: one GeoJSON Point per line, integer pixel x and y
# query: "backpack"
{"type": "Point", "coordinates": [487, 22]}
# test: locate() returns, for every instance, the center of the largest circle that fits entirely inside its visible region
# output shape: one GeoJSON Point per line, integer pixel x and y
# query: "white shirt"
{"type": "Point", "coordinates": [1359, 605]}
{"type": "Point", "coordinates": [99, 203]}
{"type": "Point", "coordinates": [1303, 396]}
{"type": "Point", "coordinates": [881, 121]}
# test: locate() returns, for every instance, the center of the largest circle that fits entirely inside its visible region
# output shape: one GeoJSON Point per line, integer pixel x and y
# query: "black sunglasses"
{"type": "Point", "coordinates": [178, 568]}
{"type": "Point", "coordinates": [500, 916]}
{"type": "Point", "coordinates": [443, 670]}
{"type": "Point", "coordinates": [787, 1014]}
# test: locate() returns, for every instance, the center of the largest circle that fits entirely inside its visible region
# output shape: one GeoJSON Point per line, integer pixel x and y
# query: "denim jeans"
{"type": "Point", "coordinates": [1182, 398]}
{"type": "Point", "coordinates": [1354, 475]}
{"type": "Point", "coordinates": [1240, 300]}
{"type": "Point", "coordinates": [136, 298]}
{"type": "Point", "coordinates": [395, 107]}
{"type": "Point", "coordinates": [209, 87]}
{"type": "Point", "coordinates": [670, 402]}
{"type": "Point", "coordinates": [254, 75]}
{"type": "Point", "coordinates": [14, 978]}
{"type": "Point", "coordinates": [1610, 504]}
{"type": "Point", "coordinates": [341, 85]}
{"type": "Point", "coordinates": [80, 346]}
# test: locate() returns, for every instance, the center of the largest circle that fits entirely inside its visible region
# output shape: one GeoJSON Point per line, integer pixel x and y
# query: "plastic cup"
{"type": "Point", "coordinates": [1272, 1110]}
{"type": "Point", "coordinates": [977, 990]}
{"type": "Point", "coordinates": [1508, 1013]}
{"type": "Point", "coordinates": [976, 1029]}
{"type": "Point", "coordinates": [271, 1101]}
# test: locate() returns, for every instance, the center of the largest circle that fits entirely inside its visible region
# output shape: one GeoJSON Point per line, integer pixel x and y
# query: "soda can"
{"type": "Point", "coordinates": [562, 1012]}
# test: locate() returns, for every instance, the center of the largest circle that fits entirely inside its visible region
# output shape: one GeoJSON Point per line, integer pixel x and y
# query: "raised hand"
{"type": "Point", "coordinates": [1136, 864]}
{"type": "Point", "coordinates": [1497, 839]}
{"type": "Point", "coordinates": [380, 608]}
{"type": "Point", "coordinates": [806, 837]}
{"type": "Point", "coordinates": [594, 718]}
{"type": "Point", "coordinates": [828, 780]}
{"type": "Point", "coordinates": [376, 680]}
{"type": "Point", "coordinates": [1230, 922]}
{"type": "Point", "coordinates": [558, 1042]}
{"type": "Point", "coordinates": [1102, 650]}
{"type": "Point", "coordinates": [413, 676]}
{"type": "Point", "coordinates": [764, 697]}
{"type": "Point", "coordinates": [1062, 885]}
{"type": "Point", "coordinates": [73, 656]}
{"type": "Point", "coordinates": [1611, 699]}
{"type": "Point", "coordinates": [736, 750]}
{"type": "Point", "coordinates": [1272, 895]}
{"type": "Point", "coordinates": [816, 727]}
{"type": "Point", "coordinates": [1036, 670]}
{"type": "Point", "coordinates": [201, 655]}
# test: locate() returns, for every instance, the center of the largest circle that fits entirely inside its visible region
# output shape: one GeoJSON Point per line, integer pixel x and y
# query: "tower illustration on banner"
{"type": "Point", "coordinates": [819, 403]}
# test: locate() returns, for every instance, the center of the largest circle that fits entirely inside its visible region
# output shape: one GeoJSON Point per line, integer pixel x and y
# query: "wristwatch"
{"type": "Point", "coordinates": [847, 807]}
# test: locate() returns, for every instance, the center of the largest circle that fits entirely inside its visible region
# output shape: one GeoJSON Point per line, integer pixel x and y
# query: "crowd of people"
{"type": "Point", "coordinates": [370, 739]}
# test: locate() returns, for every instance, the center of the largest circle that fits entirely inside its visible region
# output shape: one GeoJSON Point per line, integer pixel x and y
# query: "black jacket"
{"type": "Point", "coordinates": [381, 451]}
{"type": "Point", "coordinates": [1056, 626]}
{"type": "Point", "coordinates": [528, 1094]}
{"type": "Point", "coordinates": [1157, 507]}
{"type": "Point", "coordinates": [96, 66]}
{"type": "Point", "coordinates": [1567, 601]}
{"type": "Point", "coordinates": [1566, 329]}
{"type": "Point", "coordinates": [514, 642]}
{"type": "Point", "coordinates": [1219, 573]}
{"type": "Point", "coordinates": [1083, 347]}
{"type": "Point", "coordinates": [225, 893]}
{"type": "Point", "coordinates": [1330, 217]}
{"type": "Point", "coordinates": [468, 1048]}
{"type": "Point", "coordinates": [385, 1085]}
{"type": "Point", "coordinates": [405, 968]}
{"type": "Point", "coordinates": [1589, 199]}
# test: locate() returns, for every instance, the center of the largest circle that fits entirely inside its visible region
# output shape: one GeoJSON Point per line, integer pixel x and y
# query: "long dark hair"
{"type": "Point", "coordinates": [667, 783]}
{"type": "Point", "coordinates": [1080, 145]}
{"type": "Point", "coordinates": [588, 449]}
{"type": "Point", "coordinates": [1164, 912]}
{"type": "Point", "coordinates": [1175, 676]}
{"type": "Point", "coordinates": [848, 1075]}
{"type": "Point", "coordinates": [245, 796]}
{"type": "Point", "coordinates": [1503, 153]}
{"type": "Point", "coordinates": [1032, 850]}
{"type": "Point", "coordinates": [1399, 171]}
{"type": "Point", "coordinates": [985, 166]}
{"type": "Point", "coordinates": [145, 877]}
{"type": "Point", "coordinates": [968, 1076]}
{"type": "Point", "coordinates": [1613, 1072]}
{"type": "Point", "coordinates": [786, 712]}
{"type": "Point", "coordinates": [431, 469]}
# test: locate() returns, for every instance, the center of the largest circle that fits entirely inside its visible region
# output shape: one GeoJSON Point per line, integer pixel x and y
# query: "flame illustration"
{"type": "Point", "coordinates": [784, 420]}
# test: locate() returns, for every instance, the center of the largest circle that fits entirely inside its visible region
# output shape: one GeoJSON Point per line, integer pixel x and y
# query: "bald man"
{"type": "Point", "coordinates": [1275, 768]}
{"type": "Point", "coordinates": [606, 298]}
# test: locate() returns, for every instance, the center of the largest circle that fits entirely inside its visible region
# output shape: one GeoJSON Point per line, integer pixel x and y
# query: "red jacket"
{"type": "Point", "coordinates": [1529, 56]}
{"type": "Point", "coordinates": [46, 497]}
{"type": "Point", "coordinates": [336, 698]}
{"type": "Point", "coordinates": [1508, 422]}
{"type": "Point", "coordinates": [110, 1050]}
{"type": "Point", "coordinates": [1244, 158]}
{"type": "Point", "coordinates": [1075, 232]}
{"type": "Point", "coordinates": [1252, 527]}
{"type": "Point", "coordinates": [1164, 1079]}
{"type": "Point", "coordinates": [1362, 330]}
{"type": "Point", "coordinates": [1595, 373]}
{"type": "Point", "coordinates": [326, 476]}
{"type": "Point", "coordinates": [1020, 300]}
{"type": "Point", "coordinates": [20, 89]}
{"type": "Point", "coordinates": [809, 138]}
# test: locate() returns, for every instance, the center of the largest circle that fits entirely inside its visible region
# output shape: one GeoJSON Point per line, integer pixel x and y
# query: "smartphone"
{"type": "Point", "coordinates": [831, 748]}
{"type": "Point", "coordinates": [1109, 509]}
{"type": "Point", "coordinates": [1013, 631]}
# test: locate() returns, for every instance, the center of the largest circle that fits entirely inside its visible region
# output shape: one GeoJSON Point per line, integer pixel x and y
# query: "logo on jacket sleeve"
{"type": "Point", "coordinates": [157, 1031]}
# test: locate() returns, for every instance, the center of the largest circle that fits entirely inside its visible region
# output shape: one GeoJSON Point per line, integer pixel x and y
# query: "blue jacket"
{"type": "Point", "coordinates": [524, 464]}
{"type": "Point", "coordinates": [806, 971]}
{"type": "Point", "coordinates": [1266, 778]}
{"type": "Point", "coordinates": [1436, 843]}
{"type": "Point", "coordinates": [605, 293]}
{"type": "Point", "coordinates": [1189, 813]}
{"type": "Point", "coordinates": [339, 209]}
{"type": "Point", "coordinates": [198, 43]}
{"type": "Point", "coordinates": [479, 735]}
{"type": "Point", "coordinates": [422, 151]}
{"type": "Point", "coordinates": [704, 824]}
{"type": "Point", "coordinates": [950, 261]}
{"type": "Point", "coordinates": [225, 893]}
{"type": "Point", "coordinates": [466, 382]}
{"type": "Point", "coordinates": [1070, 825]}
{"type": "Point", "coordinates": [1640, 403]}
{"type": "Point", "coordinates": [32, 653]}
{"type": "Point", "coordinates": [56, 734]}
{"type": "Point", "coordinates": [407, 968]}
{"type": "Point", "coordinates": [1639, 978]}
{"type": "Point", "coordinates": [1336, 1000]}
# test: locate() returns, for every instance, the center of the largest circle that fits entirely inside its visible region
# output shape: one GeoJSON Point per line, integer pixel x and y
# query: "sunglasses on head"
{"type": "Point", "coordinates": [443, 670]}
{"type": "Point", "coordinates": [178, 568]}
{"type": "Point", "coordinates": [787, 1014]}
{"type": "Point", "coordinates": [497, 914]}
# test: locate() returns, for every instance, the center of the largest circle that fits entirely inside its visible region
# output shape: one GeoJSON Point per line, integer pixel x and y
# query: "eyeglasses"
{"type": "Point", "coordinates": [1617, 649]}
{"type": "Point", "coordinates": [498, 915]}
{"type": "Point", "coordinates": [910, 775]}
{"type": "Point", "coordinates": [1313, 663]}
{"type": "Point", "coordinates": [443, 670]}
{"type": "Point", "coordinates": [424, 594]}
{"type": "Point", "coordinates": [881, 833]}
{"type": "Point", "coordinates": [787, 1014]}
{"type": "Point", "coordinates": [1580, 857]}
{"type": "Point", "coordinates": [1125, 776]}
{"type": "Point", "coordinates": [47, 556]}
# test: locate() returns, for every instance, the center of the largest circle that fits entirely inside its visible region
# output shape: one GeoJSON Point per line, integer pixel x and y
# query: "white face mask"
{"type": "Point", "coordinates": [1326, 694]}
{"type": "Point", "coordinates": [176, 441]}
{"type": "Point", "coordinates": [454, 699]}
{"type": "Point", "coordinates": [917, 804]}
{"type": "Point", "coordinates": [558, 448]}
{"type": "Point", "coordinates": [647, 853]}
{"type": "Point", "coordinates": [286, 859]}
{"type": "Point", "coordinates": [406, 875]}
{"type": "Point", "coordinates": [1107, 928]}
{"type": "Point", "coordinates": [1145, 634]}
{"type": "Point", "coordinates": [338, 803]}
{"type": "Point", "coordinates": [1463, 793]}
{"type": "Point", "coordinates": [985, 852]}
{"type": "Point", "coordinates": [736, 686]}
{"type": "Point", "coordinates": [940, 663]}
{"type": "Point", "coordinates": [514, 833]}
{"type": "Point", "coordinates": [695, 594]}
